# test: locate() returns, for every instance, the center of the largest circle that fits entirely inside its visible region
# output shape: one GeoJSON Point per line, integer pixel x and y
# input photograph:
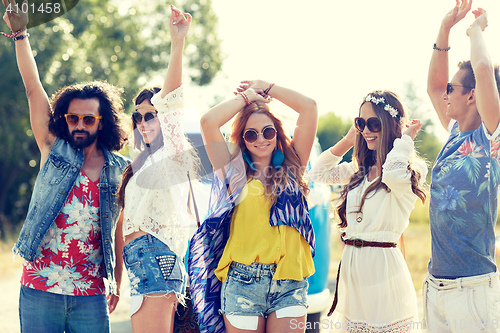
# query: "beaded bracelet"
{"type": "Point", "coordinates": [13, 34]}
{"type": "Point", "coordinates": [268, 89]}
{"type": "Point", "coordinates": [438, 49]}
{"type": "Point", "coordinates": [15, 39]}
{"type": "Point", "coordinates": [245, 98]}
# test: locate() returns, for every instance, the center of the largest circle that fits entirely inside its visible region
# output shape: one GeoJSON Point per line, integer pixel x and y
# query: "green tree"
{"type": "Point", "coordinates": [100, 40]}
{"type": "Point", "coordinates": [331, 129]}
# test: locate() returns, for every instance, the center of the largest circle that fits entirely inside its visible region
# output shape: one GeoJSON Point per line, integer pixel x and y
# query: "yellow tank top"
{"type": "Point", "coordinates": [252, 239]}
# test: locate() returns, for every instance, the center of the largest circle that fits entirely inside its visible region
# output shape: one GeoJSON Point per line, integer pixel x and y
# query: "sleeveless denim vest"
{"type": "Point", "coordinates": [53, 184]}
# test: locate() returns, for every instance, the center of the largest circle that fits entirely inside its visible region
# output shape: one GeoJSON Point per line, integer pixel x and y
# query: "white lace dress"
{"type": "Point", "coordinates": [157, 194]}
{"type": "Point", "coordinates": [375, 290]}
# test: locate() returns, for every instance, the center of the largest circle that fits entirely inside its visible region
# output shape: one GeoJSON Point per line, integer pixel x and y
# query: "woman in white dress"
{"type": "Point", "coordinates": [383, 182]}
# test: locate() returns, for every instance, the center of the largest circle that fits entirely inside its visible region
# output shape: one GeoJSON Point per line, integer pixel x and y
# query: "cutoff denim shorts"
{"type": "Point", "coordinates": [153, 268]}
{"type": "Point", "coordinates": [250, 290]}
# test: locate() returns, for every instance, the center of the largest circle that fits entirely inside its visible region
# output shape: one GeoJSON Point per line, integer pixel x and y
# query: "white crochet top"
{"type": "Point", "coordinates": [157, 194]}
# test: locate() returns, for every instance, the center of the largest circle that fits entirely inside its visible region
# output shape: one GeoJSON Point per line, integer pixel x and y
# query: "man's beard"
{"type": "Point", "coordinates": [82, 142]}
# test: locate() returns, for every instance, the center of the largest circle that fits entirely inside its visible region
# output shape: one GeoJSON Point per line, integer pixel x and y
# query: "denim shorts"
{"type": "Point", "coordinates": [153, 268]}
{"type": "Point", "coordinates": [250, 290]}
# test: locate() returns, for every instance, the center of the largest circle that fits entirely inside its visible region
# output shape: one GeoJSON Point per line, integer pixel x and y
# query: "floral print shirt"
{"type": "Point", "coordinates": [70, 260]}
{"type": "Point", "coordinates": [463, 205]}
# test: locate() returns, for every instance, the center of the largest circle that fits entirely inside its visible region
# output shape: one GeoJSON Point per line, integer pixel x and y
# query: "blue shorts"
{"type": "Point", "coordinates": [153, 268]}
{"type": "Point", "coordinates": [250, 290]}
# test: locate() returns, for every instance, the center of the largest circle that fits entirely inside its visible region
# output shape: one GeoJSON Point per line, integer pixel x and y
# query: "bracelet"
{"type": "Point", "coordinates": [20, 37]}
{"type": "Point", "coordinates": [13, 34]}
{"type": "Point", "coordinates": [268, 89]}
{"type": "Point", "coordinates": [438, 49]}
{"type": "Point", "coordinates": [245, 98]}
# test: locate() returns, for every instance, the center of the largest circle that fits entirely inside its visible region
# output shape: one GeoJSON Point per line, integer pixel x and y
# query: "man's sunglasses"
{"type": "Point", "coordinates": [89, 120]}
{"type": "Point", "coordinates": [374, 124]}
{"type": "Point", "coordinates": [449, 87]}
{"type": "Point", "coordinates": [137, 117]}
{"type": "Point", "coordinates": [251, 135]}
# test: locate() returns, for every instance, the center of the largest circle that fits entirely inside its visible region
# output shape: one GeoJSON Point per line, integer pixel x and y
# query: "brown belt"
{"type": "Point", "coordinates": [361, 243]}
{"type": "Point", "coordinates": [357, 243]}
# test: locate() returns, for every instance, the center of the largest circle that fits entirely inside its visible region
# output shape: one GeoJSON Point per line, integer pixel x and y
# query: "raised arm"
{"type": "Point", "coordinates": [215, 118]}
{"type": "Point", "coordinates": [37, 97]}
{"type": "Point", "coordinates": [486, 91]}
{"type": "Point", "coordinates": [326, 168]}
{"type": "Point", "coordinates": [179, 26]}
{"type": "Point", "coordinates": [438, 69]}
{"type": "Point", "coordinates": [307, 122]}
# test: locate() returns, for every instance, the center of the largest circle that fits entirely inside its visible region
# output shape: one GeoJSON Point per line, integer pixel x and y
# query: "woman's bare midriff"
{"type": "Point", "coordinates": [134, 235]}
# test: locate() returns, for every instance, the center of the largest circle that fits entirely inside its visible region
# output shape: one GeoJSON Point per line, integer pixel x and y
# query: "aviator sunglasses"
{"type": "Point", "coordinates": [137, 117]}
{"type": "Point", "coordinates": [251, 135]}
{"type": "Point", "coordinates": [449, 87]}
{"type": "Point", "coordinates": [374, 124]}
{"type": "Point", "coordinates": [89, 120]}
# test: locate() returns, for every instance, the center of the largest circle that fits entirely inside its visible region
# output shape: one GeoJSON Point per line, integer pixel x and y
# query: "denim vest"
{"type": "Point", "coordinates": [52, 187]}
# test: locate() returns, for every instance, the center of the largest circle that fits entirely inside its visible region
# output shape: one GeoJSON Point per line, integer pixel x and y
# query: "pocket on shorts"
{"type": "Point", "coordinates": [131, 255]}
{"type": "Point", "coordinates": [164, 262]}
{"type": "Point", "coordinates": [239, 275]}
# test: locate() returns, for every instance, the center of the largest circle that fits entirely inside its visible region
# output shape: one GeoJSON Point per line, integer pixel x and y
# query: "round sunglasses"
{"type": "Point", "coordinates": [374, 124]}
{"type": "Point", "coordinates": [251, 135]}
{"type": "Point", "coordinates": [137, 117]}
{"type": "Point", "coordinates": [89, 120]}
{"type": "Point", "coordinates": [450, 89]}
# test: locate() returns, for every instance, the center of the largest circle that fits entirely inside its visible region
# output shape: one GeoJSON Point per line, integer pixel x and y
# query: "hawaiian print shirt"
{"type": "Point", "coordinates": [70, 261]}
{"type": "Point", "coordinates": [463, 205]}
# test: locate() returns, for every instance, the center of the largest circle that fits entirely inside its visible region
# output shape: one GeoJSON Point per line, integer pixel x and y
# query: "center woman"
{"type": "Point", "coordinates": [268, 254]}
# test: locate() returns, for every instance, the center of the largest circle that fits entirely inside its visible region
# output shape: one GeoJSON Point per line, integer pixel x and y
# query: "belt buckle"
{"type": "Point", "coordinates": [358, 243]}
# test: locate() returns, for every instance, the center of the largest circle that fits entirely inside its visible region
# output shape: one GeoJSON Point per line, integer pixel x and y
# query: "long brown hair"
{"type": "Point", "coordinates": [364, 158]}
{"type": "Point", "coordinates": [291, 172]}
{"type": "Point", "coordinates": [139, 144]}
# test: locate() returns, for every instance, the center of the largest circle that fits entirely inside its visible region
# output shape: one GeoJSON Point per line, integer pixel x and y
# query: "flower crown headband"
{"type": "Point", "coordinates": [387, 107]}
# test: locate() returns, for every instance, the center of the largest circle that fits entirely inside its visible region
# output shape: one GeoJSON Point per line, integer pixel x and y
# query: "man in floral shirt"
{"type": "Point", "coordinates": [462, 290]}
{"type": "Point", "coordinates": [68, 238]}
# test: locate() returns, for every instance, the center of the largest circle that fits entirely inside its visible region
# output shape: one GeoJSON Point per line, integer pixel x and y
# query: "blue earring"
{"type": "Point", "coordinates": [248, 160]}
{"type": "Point", "coordinates": [278, 158]}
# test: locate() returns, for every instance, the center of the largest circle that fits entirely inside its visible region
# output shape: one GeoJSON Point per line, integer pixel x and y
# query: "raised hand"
{"type": "Point", "coordinates": [254, 95]}
{"type": "Point", "coordinates": [350, 137]}
{"type": "Point", "coordinates": [456, 14]}
{"type": "Point", "coordinates": [481, 20]}
{"type": "Point", "coordinates": [179, 23]}
{"type": "Point", "coordinates": [15, 18]}
{"type": "Point", "coordinates": [413, 128]}
{"type": "Point", "coordinates": [258, 85]}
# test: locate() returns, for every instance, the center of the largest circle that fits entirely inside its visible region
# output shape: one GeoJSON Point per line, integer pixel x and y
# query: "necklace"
{"type": "Point", "coordinates": [359, 214]}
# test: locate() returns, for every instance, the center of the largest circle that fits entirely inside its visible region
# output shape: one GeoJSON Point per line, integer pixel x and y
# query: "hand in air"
{"type": "Point", "coordinates": [456, 14]}
{"type": "Point", "coordinates": [350, 137]}
{"type": "Point", "coordinates": [14, 16]}
{"type": "Point", "coordinates": [254, 96]}
{"type": "Point", "coordinates": [179, 23]}
{"type": "Point", "coordinates": [413, 128]}
{"type": "Point", "coordinates": [481, 20]}
{"type": "Point", "coordinates": [258, 85]}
